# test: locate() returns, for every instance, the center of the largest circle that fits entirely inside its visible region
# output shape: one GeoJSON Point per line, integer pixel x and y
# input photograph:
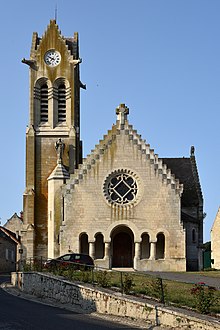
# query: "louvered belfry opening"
{"type": "Point", "coordinates": [44, 103]}
{"type": "Point", "coordinates": [62, 103]}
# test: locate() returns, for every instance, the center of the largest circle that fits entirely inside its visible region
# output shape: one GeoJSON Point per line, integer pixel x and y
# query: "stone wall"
{"type": "Point", "coordinates": [215, 241]}
{"type": "Point", "coordinates": [91, 299]}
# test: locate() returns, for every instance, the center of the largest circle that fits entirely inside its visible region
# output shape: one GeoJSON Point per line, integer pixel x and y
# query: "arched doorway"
{"type": "Point", "coordinates": [122, 247]}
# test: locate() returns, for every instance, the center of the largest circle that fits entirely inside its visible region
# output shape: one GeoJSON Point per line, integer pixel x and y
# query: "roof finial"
{"type": "Point", "coordinates": [122, 111]}
{"type": "Point", "coordinates": [56, 12]}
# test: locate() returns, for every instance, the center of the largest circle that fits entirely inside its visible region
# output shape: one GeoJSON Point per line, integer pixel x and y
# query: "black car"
{"type": "Point", "coordinates": [71, 260]}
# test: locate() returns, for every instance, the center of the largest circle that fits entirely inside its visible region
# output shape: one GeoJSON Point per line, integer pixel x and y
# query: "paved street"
{"type": "Point", "coordinates": [188, 278]}
{"type": "Point", "coordinates": [20, 314]}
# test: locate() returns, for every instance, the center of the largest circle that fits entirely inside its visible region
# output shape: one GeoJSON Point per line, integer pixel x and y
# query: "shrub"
{"type": "Point", "coordinates": [103, 278]}
{"type": "Point", "coordinates": [86, 276]}
{"type": "Point", "coordinates": [158, 289]}
{"type": "Point", "coordinates": [127, 283]}
{"type": "Point", "coordinates": [204, 297]}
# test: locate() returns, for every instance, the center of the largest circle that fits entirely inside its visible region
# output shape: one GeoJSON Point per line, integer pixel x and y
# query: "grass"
{"type": "Point", "coordinates": [215, 274]}
{"type": "Point", "coordinates": [175, 293]}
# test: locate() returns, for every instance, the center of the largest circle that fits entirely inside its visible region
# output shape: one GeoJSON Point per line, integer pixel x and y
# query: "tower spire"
{"type": "Point", "coordinates": [56, 12]}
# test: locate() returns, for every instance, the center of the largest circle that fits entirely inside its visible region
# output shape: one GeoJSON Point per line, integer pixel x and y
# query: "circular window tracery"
{"type": "Point", "coordinates": [121, 187]}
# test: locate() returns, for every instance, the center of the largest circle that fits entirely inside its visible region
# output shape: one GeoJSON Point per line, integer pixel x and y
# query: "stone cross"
{"type": "Point", "coordinates": [122, 111]}
{"type": "Point", "coordinates": [59, 146]}
{"type": "Point", "coordinates": [192, 151]}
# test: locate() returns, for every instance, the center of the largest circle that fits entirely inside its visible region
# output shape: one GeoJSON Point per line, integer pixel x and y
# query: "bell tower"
{"type": "Point", "coordinates": [54, 115]}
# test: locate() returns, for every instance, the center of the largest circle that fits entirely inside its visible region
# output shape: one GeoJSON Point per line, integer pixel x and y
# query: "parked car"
{"type": "Point", "coordinates": [73, 260]}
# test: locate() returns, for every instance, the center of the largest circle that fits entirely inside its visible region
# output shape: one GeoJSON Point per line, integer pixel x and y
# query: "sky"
{"type": "Point", "coordinates": [159, 57]}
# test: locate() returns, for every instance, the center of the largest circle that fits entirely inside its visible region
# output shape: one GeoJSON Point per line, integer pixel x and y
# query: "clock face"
{"type": "Point", "coordinates": [52, 57]}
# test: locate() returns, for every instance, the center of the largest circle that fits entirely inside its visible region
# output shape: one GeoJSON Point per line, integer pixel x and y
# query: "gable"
{"type": "Point", "coordinates": [122, 149]}
{"type": "Point", "coordinates": [53, 40]}
{"type": "Point", "coordinates": [216, 224]}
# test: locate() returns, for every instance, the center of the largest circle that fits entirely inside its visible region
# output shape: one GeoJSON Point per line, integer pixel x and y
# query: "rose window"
{"type": "Point", "coordinates": [121, 188]}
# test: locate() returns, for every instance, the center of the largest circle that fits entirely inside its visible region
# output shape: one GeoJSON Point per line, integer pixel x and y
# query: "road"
{"type": "Point", "coordinates": [188, 277]}
{"type": "Point", "coordinates": [20, 314]}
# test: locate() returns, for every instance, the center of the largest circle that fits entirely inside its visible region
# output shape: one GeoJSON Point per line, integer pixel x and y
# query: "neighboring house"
{"type": "Point", "coordinates": [215, 241]}
{"type": "Point", "coordinates": [9, 246]}
{"type": "Point", "coordinates": [123, 204]}
{"type": "Point", "coordinates": [15, 224]}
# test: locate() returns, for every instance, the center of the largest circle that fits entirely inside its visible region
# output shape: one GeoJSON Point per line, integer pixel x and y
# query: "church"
{"type": "Point", "coordinates": [122, 204]}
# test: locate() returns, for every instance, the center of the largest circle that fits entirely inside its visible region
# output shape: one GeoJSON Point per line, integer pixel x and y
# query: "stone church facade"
{"type": "Point", "coordinates": [123, 204]}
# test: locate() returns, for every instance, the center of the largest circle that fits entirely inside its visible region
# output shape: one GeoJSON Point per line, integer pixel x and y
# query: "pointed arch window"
{"type": "Point", "coordinates": [44, 103]}
{"type": "Point", "coordinates": [61, 103]}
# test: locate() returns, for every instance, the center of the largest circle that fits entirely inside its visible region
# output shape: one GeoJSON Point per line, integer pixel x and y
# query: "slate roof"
{"type": "Point", "coordinates": [183, 170]}
{"type": "Point", "coordinates": [9, 234]}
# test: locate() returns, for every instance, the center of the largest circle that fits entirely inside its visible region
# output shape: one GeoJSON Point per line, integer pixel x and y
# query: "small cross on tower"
{"type": "Point", "coordinates": [122, 111]}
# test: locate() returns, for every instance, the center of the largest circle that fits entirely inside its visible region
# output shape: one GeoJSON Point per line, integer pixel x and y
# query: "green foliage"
{"type": "Point", "coordinates": [204, 297]}
{"type": "Point", "coordinates": [32, 265]}
{"type": "Point", "coordinates": [158, 289]}
{"type": "Point", "coordinates": [127, 283]}
{"type": "Point", "coordinates": [26, 267]}
{"type": "Point", "coordinates": [163, 290]}
{"type": "Point", "coordinates": [103, 278]}
{"type": "Point", "coordinates": [69, 273]}
{"type": "Point", "coordinates": [86, 276]}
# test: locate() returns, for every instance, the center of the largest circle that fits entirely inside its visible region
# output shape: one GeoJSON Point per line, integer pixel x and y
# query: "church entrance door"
{"type": "Point", "coordinates": [122, 249]}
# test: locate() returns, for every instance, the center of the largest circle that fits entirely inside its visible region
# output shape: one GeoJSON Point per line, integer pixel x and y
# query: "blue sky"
{"type": "Point", "coordinates": [160, 57]}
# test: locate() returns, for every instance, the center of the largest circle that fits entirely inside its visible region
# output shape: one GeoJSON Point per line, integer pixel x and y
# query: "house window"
{"type": "Point", "coordinates": [61, 103]}
{"type": "Point", "coordinates": [44, 103]}
{"type": "Point", "coordinates": [12, 255]}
